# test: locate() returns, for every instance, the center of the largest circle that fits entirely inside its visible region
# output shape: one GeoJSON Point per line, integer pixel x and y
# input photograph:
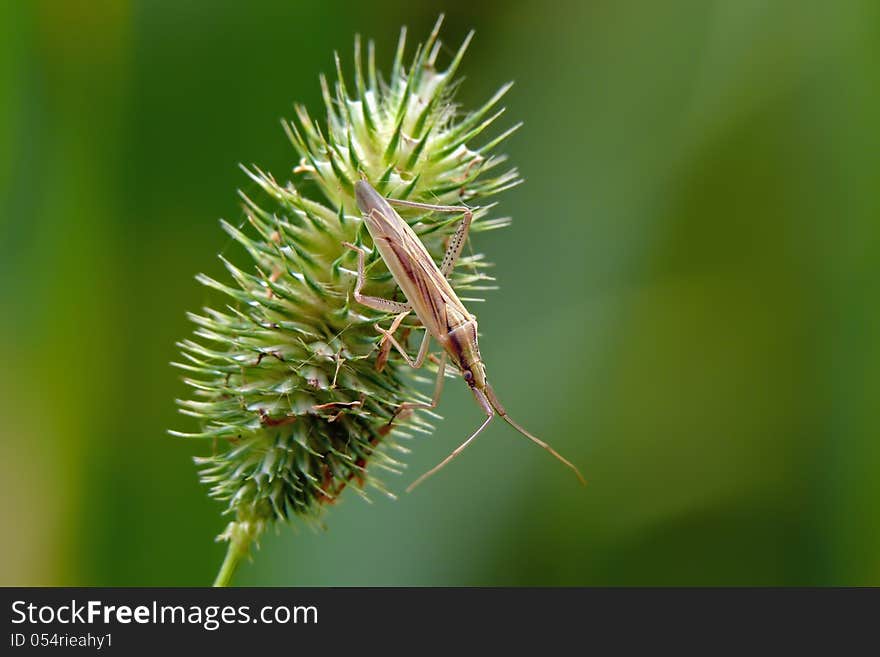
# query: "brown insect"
{"type": "Point", "coordinates": [431, 297]}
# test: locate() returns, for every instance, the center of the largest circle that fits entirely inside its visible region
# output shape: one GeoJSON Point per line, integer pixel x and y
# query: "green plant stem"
{"type": "Point", "coordinates": [239, 546]}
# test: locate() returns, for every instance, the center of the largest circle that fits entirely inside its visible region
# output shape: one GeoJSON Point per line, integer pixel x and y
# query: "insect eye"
{"type": "Point", "coordinates": [468, 376]}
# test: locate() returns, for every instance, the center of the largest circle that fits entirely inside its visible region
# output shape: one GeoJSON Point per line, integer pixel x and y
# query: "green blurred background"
{"type": "Point", "coordinates": [688, 306]}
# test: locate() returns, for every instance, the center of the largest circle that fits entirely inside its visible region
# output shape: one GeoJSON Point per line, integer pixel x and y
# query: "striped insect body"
{"type": "Point", "coordinates": [430, 296]}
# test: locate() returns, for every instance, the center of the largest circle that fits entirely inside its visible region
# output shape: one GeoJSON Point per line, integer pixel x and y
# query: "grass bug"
{"type": "Point", "coordinates": [431, 297]}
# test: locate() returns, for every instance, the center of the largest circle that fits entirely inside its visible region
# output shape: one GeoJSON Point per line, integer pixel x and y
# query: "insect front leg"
{"type": "Point", "coordinates": [385, 344]}
{"type": "Point", "coordinates": [423, 349]}
{"type": "Point", "coordinates": [386, 305]}
{"type": "Point", "coordinates": [458, 239]}
{"type": "Point", "coordinates": [376, 303]}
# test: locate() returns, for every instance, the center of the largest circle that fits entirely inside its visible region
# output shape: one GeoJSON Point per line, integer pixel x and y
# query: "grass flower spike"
{"type": "Point", "coordinates": [292, 386]}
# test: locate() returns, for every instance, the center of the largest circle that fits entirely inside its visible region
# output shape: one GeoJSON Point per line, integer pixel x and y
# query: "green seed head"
{"type": "Point", "coordinates": [288, 376]}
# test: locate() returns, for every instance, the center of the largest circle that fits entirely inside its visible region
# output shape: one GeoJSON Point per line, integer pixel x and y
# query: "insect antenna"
{"type": "Point", "coordinates": [493, 407]}
{"type": "Point", "coordinates": [496, 404]}
{"type": "Point", "coordinates": [458, 450]}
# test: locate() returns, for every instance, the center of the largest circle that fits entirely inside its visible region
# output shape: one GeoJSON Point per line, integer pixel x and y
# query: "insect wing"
{"type": "Point", "coordinates": [426, 289]}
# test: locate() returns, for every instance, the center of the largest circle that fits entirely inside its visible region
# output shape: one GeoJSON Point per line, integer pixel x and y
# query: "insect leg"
{"type": "Point", "coordinates": [435, 399]}
{"type": "Point", "coordinates": [428, 206]}
{"type": "Point", "coordinates": [458, 239]}
{"type": "Point", "coordinates": [423, 349]}
{"type": "Point", "coordinates": [385, 344]}
{"type": "Point", "coordinates": [376, 303]}
{"type": "Point", "coordinates": [456, 244]}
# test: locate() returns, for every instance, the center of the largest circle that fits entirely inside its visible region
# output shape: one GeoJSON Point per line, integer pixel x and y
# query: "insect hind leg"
{"type": "Point", "coordinates": [453, 251]}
